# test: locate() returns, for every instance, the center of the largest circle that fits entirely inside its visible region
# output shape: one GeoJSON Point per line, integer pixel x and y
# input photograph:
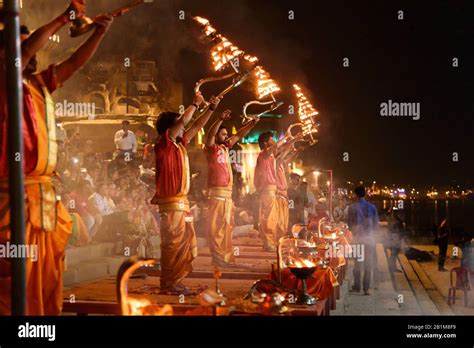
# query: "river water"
{"type": "Point", "coordinates": [421, 215]}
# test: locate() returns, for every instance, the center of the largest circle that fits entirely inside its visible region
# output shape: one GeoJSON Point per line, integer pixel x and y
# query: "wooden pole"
{"type": "Point", "coordinates": [15, 151]}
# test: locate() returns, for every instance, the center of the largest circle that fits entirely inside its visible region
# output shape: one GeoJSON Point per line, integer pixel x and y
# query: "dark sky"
{"type": "Point", "coordinates": [405, 61]}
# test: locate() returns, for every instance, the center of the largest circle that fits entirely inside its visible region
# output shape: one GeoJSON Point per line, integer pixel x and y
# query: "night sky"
{"type": "Point", "coordinates": [407, 60]}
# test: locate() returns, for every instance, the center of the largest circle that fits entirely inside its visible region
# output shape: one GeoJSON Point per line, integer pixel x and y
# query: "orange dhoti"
{"type": "Point", "coordinates": [220, 224]}
{"type": "Point", "coordinates": [283, 215]}
{"type": "Point", "coordinates": [178, 241]}
{"type": "Point", "coordinates": [268, 216]}
{"type": "Point", "coordinates": [48, 228]}
{"type": "Point", "coordinates": [48, 224]}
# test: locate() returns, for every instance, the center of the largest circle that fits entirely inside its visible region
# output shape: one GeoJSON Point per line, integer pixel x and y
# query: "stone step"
{"type": "Point", "coordinates": [405, 297]}
{"type": "Point", "coordinates": [385, 298]}
{"type": "Point", "coordinates": [383, 273]}
{"type": "Point", "coordinates": [92, 270]}
{"type": "Point", "coordinates": [77, 255]}
{"type": "Point", "coordinates": [85, 271]}
{"type": "Point", "coordinates": [431, 289]}
{"type": "Point", "coordinates": [94, 261]}
{"type": "Point", "coordinates": [427, 306]}
{"type": "Point", "coordinates": [422, 276]}
{"type": "Point", "coordinates": [440, 302]}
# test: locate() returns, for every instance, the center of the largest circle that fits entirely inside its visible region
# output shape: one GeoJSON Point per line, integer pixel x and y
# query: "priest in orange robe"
{"type": "Point", "coordinates": [48, 224]}
{"type": "Point", "coordinates": [220, 208]}
{"type": "Point", "coordinates": [178, 238]}
{"type": "Point", "coordinates": [270, 182]}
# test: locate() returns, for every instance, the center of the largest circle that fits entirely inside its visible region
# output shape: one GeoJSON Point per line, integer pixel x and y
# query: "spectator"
{"type": "Point", "coordinates": [340, 212]}
{"type": "Point", "coordinates": [396, 229]}
{"type": "Point", "coordinates": [118, 211]}
{"type": "Point", "coordinates": [149, 151]}
{"type": "Point", "coordinates": [320, 212]}
{"type": "Point", "coordinates": [311, 202]}
{"type": "Point", "coordinates": [442, 239]}
{"type": "Point", "coordinates": [125, 142]}
{"type": "Point", "coordinates": [84, 175]}
{"type": "Point", "coordinates": [363, 220]}
{"type": "Point", "coordinates": [112, 195]}
{"type": "Point", "coordinates": [100, 202]}
{"type": "Point", "coordinates": [79, 204]}
{"type": "Point", "coordinates": [297, 199]}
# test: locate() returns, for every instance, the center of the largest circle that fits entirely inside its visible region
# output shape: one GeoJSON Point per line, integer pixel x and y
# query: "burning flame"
{"type": "Point", "coordinates": [251, 59]}
{"type": "Point", "coordinates": [208, 29]}
{"type": "Point", "coordinates": [330, 235]}
{"type": "Point", "coordinates": [306, 112]}
{"type": "Point", "coordinates": [145, 307]}
{"type": "Point", "coordinates": [223, 51]}
{"type": "Point", "coordinates": [303, 263]}
{"type": "Point", "coordinates": [137, 305]}
{"type": "Point", "coordinates": [265, 85]}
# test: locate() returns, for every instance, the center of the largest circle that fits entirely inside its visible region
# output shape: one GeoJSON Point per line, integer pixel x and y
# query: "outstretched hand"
{"type": "Point", "coordinates": [226, 115]}
{"type": "Point", "coordinates": [214, 101]}
{"type": "Point", "coordinates": [198, 98]}
{"type": "Point", "coordinates": [299, 136]}
{"type": "Point", "coordinates": [103, 23]}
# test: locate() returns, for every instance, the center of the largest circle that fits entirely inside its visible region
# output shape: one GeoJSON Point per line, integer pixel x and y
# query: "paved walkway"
{"type": "Point", "coordinates": [386, 290]}
{"type": "Point", "coordinates": [382, 299]}
{"type": "Point", "coordinates": [442, 279]}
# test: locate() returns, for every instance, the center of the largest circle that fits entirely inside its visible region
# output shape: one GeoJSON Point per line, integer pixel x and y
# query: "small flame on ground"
{"type": "Point", "coordinates": [142, 307]}
{"type": "Point", "coordinates": [137, 305]}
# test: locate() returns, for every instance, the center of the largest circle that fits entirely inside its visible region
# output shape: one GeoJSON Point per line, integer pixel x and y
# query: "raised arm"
{"type": "Point", "coordinates": [202, 120]}
{"type": "Point", "coordinates": [242, 132]}
{"type": "Point", "coordinates": [286, 146]}
{"type": "Point", "coordinates": [272, 149]}
{"type": "Point", "coordinates": [187, 115]}
{"type": "Point", "coordinates": [84, 53]}
{"type": "Point", "coordinates": [40, 37]}
{"type": "Point", "coordinates": [293, 155]}
{"type": "Point", "coordinates": [214, 129]}
{"type": "Point", "coordinates": [286, 154]}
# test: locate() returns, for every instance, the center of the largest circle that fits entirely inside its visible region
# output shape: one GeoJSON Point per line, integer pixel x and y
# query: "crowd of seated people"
{"type": "Point", "coordinates": [106, 197]}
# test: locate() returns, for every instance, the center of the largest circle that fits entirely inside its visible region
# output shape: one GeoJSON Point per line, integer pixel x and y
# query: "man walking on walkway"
{"type": "Point", "coordinates": [363, 220]}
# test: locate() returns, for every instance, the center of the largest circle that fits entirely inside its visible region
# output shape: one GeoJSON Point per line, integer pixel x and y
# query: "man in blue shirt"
{"type": "Point", "coordinates": [363, 220]}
